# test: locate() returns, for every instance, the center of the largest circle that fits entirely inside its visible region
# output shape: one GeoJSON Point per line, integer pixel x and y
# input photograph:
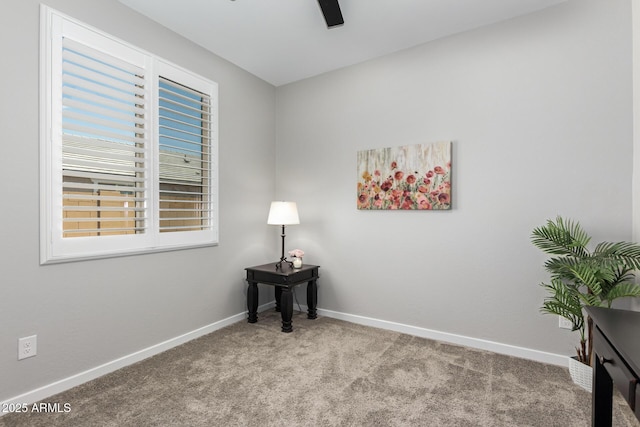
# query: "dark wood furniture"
{"type": "Point", "coordinates": [616, 346]}
{"type": "Point", "coordinates": [284, 278]}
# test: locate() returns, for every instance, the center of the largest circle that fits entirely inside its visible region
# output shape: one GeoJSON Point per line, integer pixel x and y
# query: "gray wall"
{"type": "Point", "coordinates": [89, 313]}
{"type": "Point", "coordinates": [539, 109]}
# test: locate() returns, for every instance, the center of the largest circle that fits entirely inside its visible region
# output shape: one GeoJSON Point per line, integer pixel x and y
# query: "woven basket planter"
{"type": "Point", "coordinates": [581, 374]}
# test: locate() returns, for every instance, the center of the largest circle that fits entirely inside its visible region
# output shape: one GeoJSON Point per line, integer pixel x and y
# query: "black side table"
{"type": "Point", "coordinates": [284, 279]}
{"type": "Point", "coordinates": [617, 361]}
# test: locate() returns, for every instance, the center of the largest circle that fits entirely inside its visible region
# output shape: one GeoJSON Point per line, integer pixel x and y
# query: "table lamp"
{"type": "Point", "coordinates": [283, 213]}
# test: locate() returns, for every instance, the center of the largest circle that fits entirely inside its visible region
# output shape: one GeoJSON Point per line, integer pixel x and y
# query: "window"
{"type": "Point", "coordinates": [128, 148]}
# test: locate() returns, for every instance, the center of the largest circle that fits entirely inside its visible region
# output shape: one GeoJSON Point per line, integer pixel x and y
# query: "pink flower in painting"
{"type": "Point", "coordinates": [394, 165]}
{"type": "Point", "coordinates": [396, 197]}
{"type": "Point", "coordinates": [426, 181]}
{"type": "Point", "coordinates": [407, 204]}
{"type": "Point", "coordinates": [423, 202]}
{"type": "Point", "coordinates": [398, 175]}
{"type": "Point", "coordinates": [363, 201]}
{"type": "Point", "coordinates": [376, 172]}
{"type": "Point", "coordinates": [438, 170]}
{"type": "Point", "coordinates": [423, 189]}
{"type": "Point", "coordinates": [443, 198]}
{"type": "Point", "coordinates": [429, 174]}
{"type": "Point", "coordinates": [411, 179]}
{"type": "Point", "coordinates": [386, 186]}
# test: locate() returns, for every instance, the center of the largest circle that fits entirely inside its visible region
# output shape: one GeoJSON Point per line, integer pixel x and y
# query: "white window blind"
{"type": "Point", "coordinates": [185, 157]}
{"type": "Point", "coordinates": [128, 148]}
{"type": "Point", "coordinates": [103, 144]}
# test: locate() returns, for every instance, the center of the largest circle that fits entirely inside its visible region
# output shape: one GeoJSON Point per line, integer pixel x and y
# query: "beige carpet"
{"type": "Point", "coordinates": [326, 373]}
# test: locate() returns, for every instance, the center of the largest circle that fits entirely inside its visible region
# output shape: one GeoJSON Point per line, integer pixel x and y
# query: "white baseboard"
{"type": "Point", "coordinates": [496, 347]}
{"type": "Point", "coordinates": [91, 374]}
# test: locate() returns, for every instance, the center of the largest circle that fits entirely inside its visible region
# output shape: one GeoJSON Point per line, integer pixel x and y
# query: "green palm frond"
{"type": "Point", "coordinates": [561, 266]}
{"type": "Point", "coordinates": [590, 300]}
{"type": "Point", "coordinates": [594, 276]}
{"type": "Point", "coordinates": [626, 253]}
{"type": "Point", "coordinates": [620, 275]}
{"type": "Point", "coordinates": [553, 307]}
{"type": "Point", "coordinates": [561, 238]}
{"type": "Point", "coordinates": [564, 302]}
{"type": "Point", "coordinates": [622, 290]}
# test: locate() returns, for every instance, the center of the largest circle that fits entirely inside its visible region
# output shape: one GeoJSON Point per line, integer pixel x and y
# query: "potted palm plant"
{"type": "Point", "coordinates": [582, 277]}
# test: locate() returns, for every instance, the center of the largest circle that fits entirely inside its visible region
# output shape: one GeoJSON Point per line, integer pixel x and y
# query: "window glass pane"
{"type": "Point", "coordinates": [184, 134]}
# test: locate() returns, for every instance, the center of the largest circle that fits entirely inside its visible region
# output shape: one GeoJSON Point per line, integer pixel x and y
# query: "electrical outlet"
{"type": "Point", "coordinates": [564, 323]}
{"type": "Point", "coordinates": [27, 347]}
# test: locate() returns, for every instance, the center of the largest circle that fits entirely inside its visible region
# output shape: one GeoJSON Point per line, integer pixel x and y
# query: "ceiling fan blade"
{"type": "Point", "coordinates": [331, 12]}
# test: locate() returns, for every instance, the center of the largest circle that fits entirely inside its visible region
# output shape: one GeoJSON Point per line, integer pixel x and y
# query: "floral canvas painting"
{"type": "Point", "coordinates": [407, 177]}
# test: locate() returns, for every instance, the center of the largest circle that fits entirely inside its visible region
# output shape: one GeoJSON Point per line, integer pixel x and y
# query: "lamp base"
{"type": "Point", "coordinates": [283, 260]}
{"type": "Point", "coordinates": [282, 257]}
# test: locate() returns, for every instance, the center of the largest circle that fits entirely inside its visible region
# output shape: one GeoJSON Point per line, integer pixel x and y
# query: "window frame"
{"type": "Point", "coordinates": [55, 248]}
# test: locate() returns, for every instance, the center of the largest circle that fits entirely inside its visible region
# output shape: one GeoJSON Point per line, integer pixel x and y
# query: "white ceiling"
{"type": "Point", "coordinates": [282, 41]}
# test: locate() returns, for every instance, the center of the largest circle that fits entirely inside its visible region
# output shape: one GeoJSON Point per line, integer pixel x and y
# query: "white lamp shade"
{"type": "Point", "coordinates": [283, 213]}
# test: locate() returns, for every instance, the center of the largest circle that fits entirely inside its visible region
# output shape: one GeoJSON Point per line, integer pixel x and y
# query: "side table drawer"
{"type": "Point", "coordinates": [622, 377]}
{"type": "Point", "coordinates": [264, 277]}
{"type": "Point", "coordinates": [303, 275]}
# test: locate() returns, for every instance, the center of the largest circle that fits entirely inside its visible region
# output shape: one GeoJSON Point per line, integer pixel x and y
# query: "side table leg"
{"type": "Point", "coordinates": [602, 395]}
{"type": "Point", "coordinates": [252, 302]}
{"type": "Point", "coordinates": [312, 299]}
{"type": "Point", "coordinates": [278, 297]}
{"type": "Point", "coordinates": [286, 308]}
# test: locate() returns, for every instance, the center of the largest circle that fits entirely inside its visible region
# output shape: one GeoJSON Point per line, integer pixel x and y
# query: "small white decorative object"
{"type": "Point", "coordinates": [581, 374]}
{"type": "Point", "coordinates": [297, 255]}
